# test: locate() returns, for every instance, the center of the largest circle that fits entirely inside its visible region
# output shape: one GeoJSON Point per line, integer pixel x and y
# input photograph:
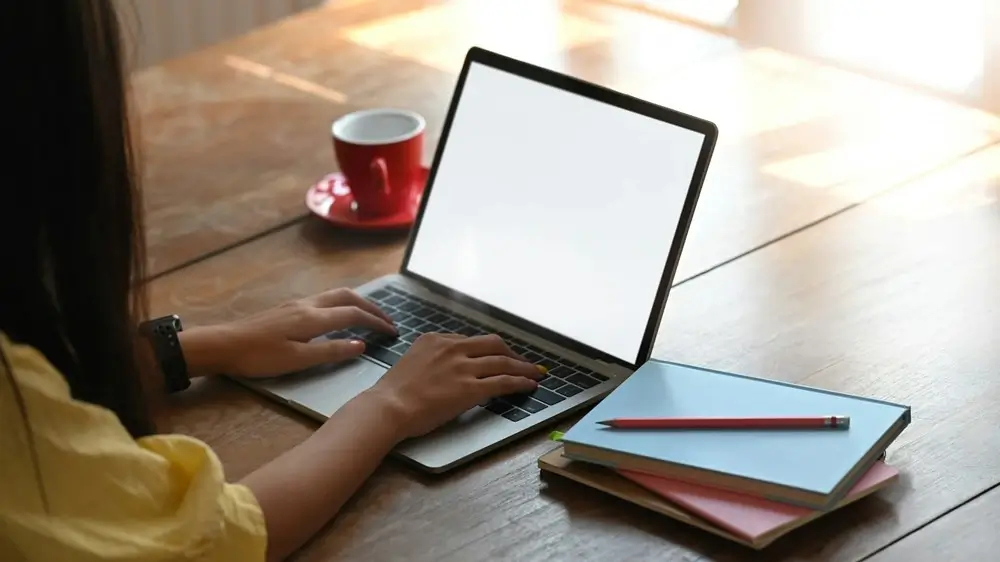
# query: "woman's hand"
{"type": "Point", "coordinates": [278, 341]}
{"type": "Point", "coordinates": [443, 375]}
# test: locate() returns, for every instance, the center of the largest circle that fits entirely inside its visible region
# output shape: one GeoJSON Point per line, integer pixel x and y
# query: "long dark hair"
{"type": "Point", "coordinates": [71, 235]}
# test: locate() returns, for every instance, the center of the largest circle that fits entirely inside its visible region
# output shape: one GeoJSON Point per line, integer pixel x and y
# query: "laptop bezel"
{"type": "Point", "coordinates": [604, 95]}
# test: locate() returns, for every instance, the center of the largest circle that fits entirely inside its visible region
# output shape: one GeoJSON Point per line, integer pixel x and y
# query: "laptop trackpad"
{"type": "Point", "coordinates": [324, 389]}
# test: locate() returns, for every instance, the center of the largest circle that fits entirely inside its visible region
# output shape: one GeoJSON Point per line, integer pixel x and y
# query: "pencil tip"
{"type": "Point", "coordinates": [604, 422]}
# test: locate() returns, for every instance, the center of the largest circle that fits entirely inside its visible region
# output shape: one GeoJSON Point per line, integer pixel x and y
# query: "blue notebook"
{"type": "Point", "coordinates": [812, 468]}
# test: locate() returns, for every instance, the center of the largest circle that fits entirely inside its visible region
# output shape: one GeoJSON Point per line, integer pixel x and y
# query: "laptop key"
{"type": "Point", "coordinates": [498, 406]}
{"type": "Point", "coordinates": [394, 300]}
{"type": "Point", "coordinates": [412, 323]}
{"type": "Point", "coordinates": [423, 312]}
{"type": "Point", "coordinates": [562, 372]}
{"type": "Point", "coordinates": [525, 402]}
{"type": "Point", "coordinates": [532, 406]}
{"type": "Point", "coordinates": [398, 315]}
{"type": "Point", "coordinates": [380, 339]}
{"type": "Point", "coordinates": [386, 356]}
{"type": "Point", "coordinates": [568, 390]}
{"type": "Point", "coordinates": [437, 318]}
{"type": "Point", "coordinates": [378, 295]}
{"type": "Point", "coordinates": [547, 363]}
{"type": "Point", "coordinates": [551, 383]}
{"type": "Point", "coordinates": [424, 327]}
{"type": "Point", "coordinates": [546, 396]}
{"type": "Point", "coordinates": [593, 374]}
{"type": "Point", "coordinates": [532, 356]}
{"type": "Point", "coordinates": [409, 306]}
{"type": "Point", "coordinates": [515, 415]}
{"type": "Point", "coordinates": [401, 347]}
{"type": "Point", "coordinates": [582, 381]}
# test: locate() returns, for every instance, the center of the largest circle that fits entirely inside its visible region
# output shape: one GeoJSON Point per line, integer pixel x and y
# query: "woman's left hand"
{"type": "Point", "coordinates": [278, 341]}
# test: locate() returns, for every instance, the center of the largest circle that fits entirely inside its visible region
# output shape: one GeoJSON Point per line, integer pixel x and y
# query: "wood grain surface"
{"type": "Point", "coordinates": [894, 299]}
{"type": "Point", "coordinates": [233, 135]}
{"type": "Point", "coordinates": [968, 533]}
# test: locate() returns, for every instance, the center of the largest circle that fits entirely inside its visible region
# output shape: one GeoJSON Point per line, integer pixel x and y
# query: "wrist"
{"type": "Point", "coordinates": [203, 349]}
{"type": "Point", "coordinates": [384, 407]}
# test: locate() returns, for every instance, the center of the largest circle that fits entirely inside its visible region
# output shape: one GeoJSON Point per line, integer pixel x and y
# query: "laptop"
{"type": "Point", "coordinates": [554, 215]}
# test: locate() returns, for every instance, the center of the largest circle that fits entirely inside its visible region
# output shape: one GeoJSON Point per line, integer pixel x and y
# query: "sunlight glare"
{"type": "Point", "coordinates": [973, 182]}
{"type": "Point", "coordinates": [268, 73]}
{"type": "Point", "coordinates": [745, 93]}
{"type": "Point", "coordinates": [439, 36]}
{"type": "Point", "coordinates": [939, 44]}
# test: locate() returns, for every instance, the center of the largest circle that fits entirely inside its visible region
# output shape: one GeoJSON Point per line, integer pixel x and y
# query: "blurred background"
{"type": "Point", "coordinates": [940, 46]}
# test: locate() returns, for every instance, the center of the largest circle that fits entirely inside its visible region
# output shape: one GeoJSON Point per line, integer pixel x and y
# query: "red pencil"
{"type": "Point", "coordinates": [798, 422]}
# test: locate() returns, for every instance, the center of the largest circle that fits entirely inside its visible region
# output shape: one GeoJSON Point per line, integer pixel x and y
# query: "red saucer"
{"type": "Point", "coordinates": [330, 199]}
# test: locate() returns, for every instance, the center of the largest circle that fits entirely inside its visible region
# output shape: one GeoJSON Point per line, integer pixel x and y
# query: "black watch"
{"type": "Point", "coordinates": [162, 335]}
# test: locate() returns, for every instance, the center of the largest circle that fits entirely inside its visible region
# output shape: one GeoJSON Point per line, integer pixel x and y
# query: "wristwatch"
{"type": "Point", "coordinates": [162, 335]}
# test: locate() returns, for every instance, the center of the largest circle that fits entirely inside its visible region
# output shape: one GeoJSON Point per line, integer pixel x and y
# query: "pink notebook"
{"type": "Point", "coordinates": [748, 516]}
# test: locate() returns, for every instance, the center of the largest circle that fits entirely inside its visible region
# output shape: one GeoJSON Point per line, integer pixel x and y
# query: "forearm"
{"type": "Point", "coordinates": [303, 489]}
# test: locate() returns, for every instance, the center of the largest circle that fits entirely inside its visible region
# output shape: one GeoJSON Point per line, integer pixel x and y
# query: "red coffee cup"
{"type": "Point", "coordinates": [380, 153]}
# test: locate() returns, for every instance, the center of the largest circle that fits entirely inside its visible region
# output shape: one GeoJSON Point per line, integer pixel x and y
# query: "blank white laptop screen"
{"type": "Point", "coordinates": [556, 208]}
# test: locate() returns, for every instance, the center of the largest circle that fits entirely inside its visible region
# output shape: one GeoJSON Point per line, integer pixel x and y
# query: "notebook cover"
{"type": "Point", "coordinates": [815, 461]}
{"type": "Point", "coordinates": [747, 516]}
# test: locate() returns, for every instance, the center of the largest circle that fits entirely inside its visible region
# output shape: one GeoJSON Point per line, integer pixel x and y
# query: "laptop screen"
{"type": "Point", "coordinates": [555, 208]}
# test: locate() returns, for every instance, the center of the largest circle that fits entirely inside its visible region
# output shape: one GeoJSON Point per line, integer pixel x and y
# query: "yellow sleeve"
{"type": "Point", "coordinates": [89, 491]}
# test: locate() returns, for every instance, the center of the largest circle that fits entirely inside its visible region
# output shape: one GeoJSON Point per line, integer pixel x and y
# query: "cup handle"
{"type": "Point", "coordinates": [381, 175]}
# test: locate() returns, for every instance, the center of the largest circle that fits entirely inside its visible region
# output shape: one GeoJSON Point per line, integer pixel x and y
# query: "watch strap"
{"type": "Point", "coordinates": [163, 336]}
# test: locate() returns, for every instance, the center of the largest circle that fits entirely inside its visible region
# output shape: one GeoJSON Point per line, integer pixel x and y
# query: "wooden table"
{"type": "Point", "coordinates": [836, 245]}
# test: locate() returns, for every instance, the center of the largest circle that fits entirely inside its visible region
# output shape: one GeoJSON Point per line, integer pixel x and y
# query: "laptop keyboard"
{"type": "Point", "coordinates": [415, 316]}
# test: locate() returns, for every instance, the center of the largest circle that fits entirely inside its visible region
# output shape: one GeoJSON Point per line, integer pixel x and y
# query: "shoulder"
{"type": "Point", "coordinates": [78, 479]}
{"type": "Point", "coordinates": [35, 396]}
{"type": "Point", "coordinates": [29, 369]}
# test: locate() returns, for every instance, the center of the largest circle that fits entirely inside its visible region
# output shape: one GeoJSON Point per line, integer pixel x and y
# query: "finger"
{"type": "Point", "coordinates": [305, 355]}
{"type": "Point", "coordinates": [493, 365]}
{"type": "Point", "coordinates": [324, 320]}
{"type": "Point", "coordinates": [502, 385]}
{"type": "Point", "coordinates": [355, 316]}
{"type": "Point", "coordinates": [441, 335]}
{"type": "Point", "coordinates": [347, 297]}
{"type": "Point", "coordinates": [449, 335]}
{"type": "Point", "coordinates": [481, 346]}
{"type": "Point", "coordinates": [334, 297]}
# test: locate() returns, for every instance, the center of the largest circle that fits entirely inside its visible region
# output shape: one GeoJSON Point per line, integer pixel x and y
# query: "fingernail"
{"type": "Point", "coordinates": [356, 342]}
{"type": "Point", "coordinates": [542, 369]}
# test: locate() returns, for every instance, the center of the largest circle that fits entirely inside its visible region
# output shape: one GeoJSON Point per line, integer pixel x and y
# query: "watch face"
{"type": "Point", "coordinates": [163, 324]}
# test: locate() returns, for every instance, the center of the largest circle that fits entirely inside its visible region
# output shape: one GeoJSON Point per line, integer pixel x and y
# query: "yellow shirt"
{"type": "Point", "coordinates": [110, 497]}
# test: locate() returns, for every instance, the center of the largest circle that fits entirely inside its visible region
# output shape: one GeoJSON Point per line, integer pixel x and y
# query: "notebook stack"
{"type": "Point", "coordinates": [709, 465]}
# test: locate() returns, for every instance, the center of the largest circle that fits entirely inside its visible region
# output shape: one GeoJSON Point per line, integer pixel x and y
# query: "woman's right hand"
{"type": "Point", "coordinates": [443, 375]}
